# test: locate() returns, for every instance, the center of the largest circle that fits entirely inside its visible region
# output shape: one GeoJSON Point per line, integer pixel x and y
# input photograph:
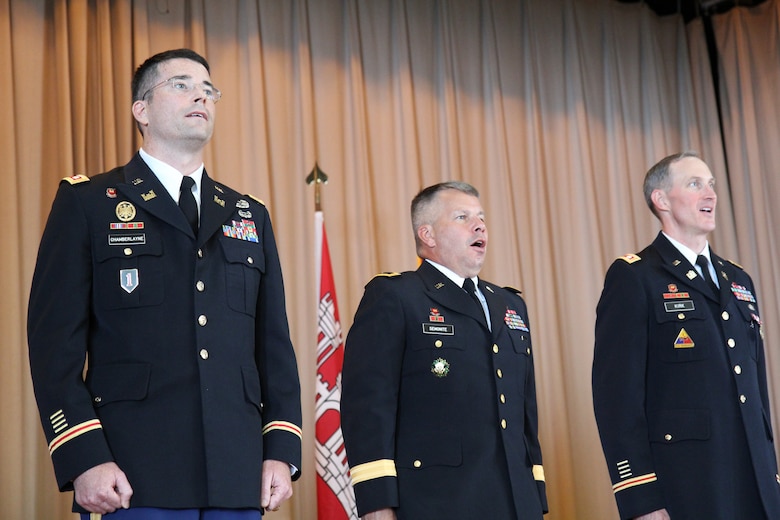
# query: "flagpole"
{"type": "Point", "coordinates": [335, 496]}
{"type": "Point", "coordinates": [317, 177]}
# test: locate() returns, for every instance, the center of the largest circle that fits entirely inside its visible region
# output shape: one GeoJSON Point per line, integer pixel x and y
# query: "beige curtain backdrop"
{"type": "Point", "coordinates": [554, 109]}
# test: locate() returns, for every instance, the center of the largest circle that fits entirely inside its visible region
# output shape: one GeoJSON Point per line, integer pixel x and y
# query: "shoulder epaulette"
{"type": "Point", "coordinates": [512, 289]}
{"type": "Point", "coordinates": [732, 262]}
{"type": "Point", "coordinates": [630, 258]}
{"type": "Point", "coordinates": [255, 199]}
{"type": "Point", "coordinates": [76, 179]}
{"type": "Point", "coordinates": [386, 275]}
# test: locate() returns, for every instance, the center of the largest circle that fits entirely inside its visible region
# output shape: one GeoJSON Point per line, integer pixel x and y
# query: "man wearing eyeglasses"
{"type": "Point", "coordinates": [169, 284]}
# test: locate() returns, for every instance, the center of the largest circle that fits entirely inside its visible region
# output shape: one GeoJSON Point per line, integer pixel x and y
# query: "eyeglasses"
{"type": "Point", "coordinates": [184, 86]}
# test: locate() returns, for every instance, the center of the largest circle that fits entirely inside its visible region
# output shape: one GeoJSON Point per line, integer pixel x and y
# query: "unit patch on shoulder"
{"type": "Point", "coordinates": [76, 179]}
{"type": "Point", "coordinates": [630, 258]}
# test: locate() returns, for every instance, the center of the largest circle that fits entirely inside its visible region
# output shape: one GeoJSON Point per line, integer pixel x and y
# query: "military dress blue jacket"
{"type": "Point", "coordinates": [680, 390]}
{"type": "Point", "coordinates": [439, 412]}
{"type": "Point", "coordinates": [191, 379]}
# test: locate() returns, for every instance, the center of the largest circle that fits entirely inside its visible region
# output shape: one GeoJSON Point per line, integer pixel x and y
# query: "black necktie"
{"type": "Point", "coordinates": [188, 204]}
{"type": "Point", "coordinates": [468, 286]}
{"type": "Point", "coordinates": [702, 262]}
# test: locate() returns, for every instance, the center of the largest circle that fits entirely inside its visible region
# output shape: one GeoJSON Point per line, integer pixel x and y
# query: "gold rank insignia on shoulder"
{"type": "Point", "coordinates": [630, 258]}
{"type": "Point", "coordinates": [732, 262]}
{"type": "Point", "coordinates": [255, 199]}
{"type": "Point", "coordinates": [76, 179]}
{"type": "Point", "coordinates": [386, 275]}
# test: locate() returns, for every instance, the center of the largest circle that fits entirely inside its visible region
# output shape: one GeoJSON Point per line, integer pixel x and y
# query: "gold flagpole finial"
{"type": "Point", "coordinates": [317, 177]}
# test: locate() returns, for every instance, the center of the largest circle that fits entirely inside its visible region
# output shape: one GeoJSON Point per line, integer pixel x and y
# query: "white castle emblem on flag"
{"type": "Point", "coordinates": [330, 455]}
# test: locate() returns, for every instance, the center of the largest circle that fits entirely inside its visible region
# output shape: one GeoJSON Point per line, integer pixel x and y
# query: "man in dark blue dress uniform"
{"type": "Point", "coordinates": [438, 404]}
{"type": "Point", "coordinates": [679, 374]}
{"type": "Point", "coordinates": [169, 284]}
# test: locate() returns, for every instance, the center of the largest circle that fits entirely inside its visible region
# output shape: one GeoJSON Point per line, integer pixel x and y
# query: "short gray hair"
{"type": "Point", "coordinates": [422, 202]}
{"type": "Point", "coordinates": [657, 177]}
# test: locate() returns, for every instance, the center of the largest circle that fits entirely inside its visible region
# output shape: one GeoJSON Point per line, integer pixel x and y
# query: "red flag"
{"type": "Point", "coordinates": [335, 496]}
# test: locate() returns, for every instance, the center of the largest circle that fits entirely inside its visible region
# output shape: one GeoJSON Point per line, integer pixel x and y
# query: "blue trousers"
{"type": "Point", "coordinates": [154, 513]}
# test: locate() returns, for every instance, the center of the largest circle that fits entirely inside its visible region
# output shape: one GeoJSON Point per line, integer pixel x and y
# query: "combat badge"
{"type": "Point", "coordinates": [125, 211]}
{"type": "Point", "coordinates": [242, 204]}
{"type": "Point", "coordinates": [440, 367]}
{"type": "Point", "coordinates": [683, 340]}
